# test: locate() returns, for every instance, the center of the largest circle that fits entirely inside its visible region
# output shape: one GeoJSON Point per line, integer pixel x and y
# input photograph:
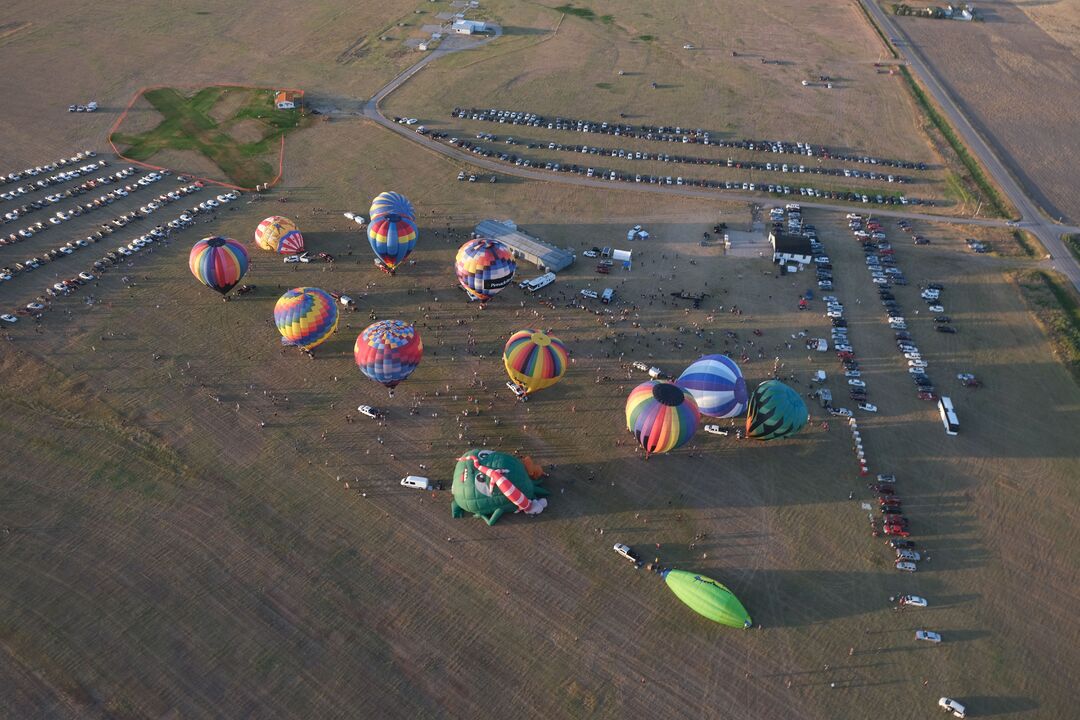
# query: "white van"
{"type": "Point", "coordinates": [607, 295]}
{"type": "Point", "coordinates": [591, 294]}
{"type": "Point", "coordinates": [950, 705]}
{"type": "Point", "coordinates": [417, 482]}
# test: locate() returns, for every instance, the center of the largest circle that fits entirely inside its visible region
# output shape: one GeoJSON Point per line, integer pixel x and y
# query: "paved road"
{"type": "Point", "coordinates": [1032, 218]}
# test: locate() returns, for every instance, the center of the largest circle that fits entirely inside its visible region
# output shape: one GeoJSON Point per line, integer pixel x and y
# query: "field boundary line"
{"type": "Point", "coordinates": [143, 90]}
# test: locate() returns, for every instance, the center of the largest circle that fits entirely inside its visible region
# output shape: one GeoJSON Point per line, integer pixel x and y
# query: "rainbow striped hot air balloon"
{"type": "Point", "coordinates": [717, 385]}
{"type": "Point", "coordinates": [388, 351]}
{"type": "Point", "coordinates": [219, 263]}
{"type": "Point", "coordinates": [661, 415]}
{"type": "Point", "coordinates": [484, 267]}
{"type": "Point", "coordinates": [391, 203]}
{"type": "Point", "coordinates": [534, 360]}
{"type": "Point", "coordinates": [305, 317]}
{"type": "Point", "coordinates": [280, 235]}
{"type": "Point", "coordinates": [392, 237]}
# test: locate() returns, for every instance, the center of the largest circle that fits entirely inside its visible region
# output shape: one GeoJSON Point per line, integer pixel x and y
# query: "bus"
{"type": "Point", "coordinates": [948, 416]}
{"type": "Point", "coordinates": [538, 282]}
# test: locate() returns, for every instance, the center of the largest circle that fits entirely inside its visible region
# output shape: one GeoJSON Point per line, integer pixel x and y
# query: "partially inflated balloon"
{"type": "Point", "coordinates": [391, 203]}
{"type": "Point", "coordinates": [776, 411]}
{"type": "Point", "coordinates": [306, 317]}
{"type": "Point", "coordinates": [661, 415]}
{"type": "Point", "coordinates": [484, 267]}
{"type": "Point", "coordinates": [717, 385]}
{"type": "Point", "coordinates": [708, 598]}
{"type": "Point", "coordinates": [219, 263]}
{"type": "Point", "coordinates": [534, 360]}
{"type": "Point", "coordinates": [280, 235]}
{"type": "Point", "coordinates": [388, 351]}
{"type": "Point", "coordinates": [392, 237]}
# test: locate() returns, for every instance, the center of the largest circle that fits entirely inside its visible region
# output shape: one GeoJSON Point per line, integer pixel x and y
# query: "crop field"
{"type": "Point", "coordinates": [1018, 80]}
{"type": "Point", "coordinates": [606, 71]}
{"type": "Point", "coordinates": [238, 129]}
{"type": "Point", "coordinates": [190, 527]}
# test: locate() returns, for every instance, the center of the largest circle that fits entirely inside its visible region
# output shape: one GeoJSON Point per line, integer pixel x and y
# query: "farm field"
{"type": "Point", "coordinates": [190, 526]}
{"type": "Point", "coordinates": [1008, 63]}
{"type": "Point", "coordinates": [571, 67]}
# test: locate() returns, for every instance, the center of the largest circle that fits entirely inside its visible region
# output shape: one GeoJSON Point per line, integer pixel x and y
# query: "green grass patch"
{"type": "Point", "coordinates": [604, 85]}
{"type": "Point", "coordinates": [646, 38]}
{"type": "Point", "coordinates": [188, 125]}
{"type": "Point", "coordinates": [1073, 243]}
{"type": "Point", "coordinates": [993, 198]}
{"type": "Point", "coordinates": [583, 13]}
{"type": "Point", "coordinates": [1058, 312]}
{"type": "Point", "coordinates": [1027, 243]}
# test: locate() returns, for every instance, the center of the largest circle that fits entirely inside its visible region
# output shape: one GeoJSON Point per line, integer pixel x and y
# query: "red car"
{"type": "Point", "coordinates": [882, 489]}
{"type": "Point", "coordinates": [845, 355]}
{"type": "Point", "coordinates": [896, 530]}
{"type": "Point", "coordinates": [896, 520]}
{"type": "Point", "coordinates": [893, 501]}
{"type": "Point", "coordinates": [927, 396]}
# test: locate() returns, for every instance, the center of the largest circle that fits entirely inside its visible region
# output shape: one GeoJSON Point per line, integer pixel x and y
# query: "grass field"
{"type": "Point", "coordinates": [164, 554]}
{"type": "Point", "coordinates": [189, 124]}
{"type": "Point", "coordinates": [992, 68]}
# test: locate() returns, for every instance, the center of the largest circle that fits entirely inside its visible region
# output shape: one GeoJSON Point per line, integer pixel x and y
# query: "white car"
{"type": "Point", "coordinates": [868, 407]}
{"type": "Point", "coordinates": [950, 705]}
{"type": "Point", "coordinates": [86, 276]}
{"type": "Point", "coordinates": [906, 554]}
{"type": "Point", "coordinates": [66, 250]}
{"type": "Point", "coordinates": [913, 601]}
{"type": "Point", "coordinates": [936, 309]}
{"type": "Point", "coordinates": [591, 294]}
{"type": "Point", "coordinates": [716, 430]}
{"type": "Point", "coordinates": [917, 370]}
{"type": "Point", "coordinates": [835, 314]}
{"type": "Point", "coordinates": [842, 412]}
{"type": "Point", "coordinates": [223, 198]}
{"type": "Point", "coordinates": [289, 259]}
{"type": "Point", "coordinates": [35, 307]}
{"type": "Point", "coordinates": [417, 482]}
{"type": "Point", "coordinates": [852, 374]}
{"type": "Point", "coordinates": [626, 552]}
{"type": "Point", "coordinates": [590, 253]}
{"type": "Point", "coordinates": [905, 566]}
{"type": "Point", "coordinates": [369, 411]}
{"type": "Point", "coordinates": [516, 389]}
{"type": "Point", "coordinates": [928, 636]}
{"type": "Point", "coordinates": [9, 318]}
{"type": "Point", "coordinates": [856, 382]}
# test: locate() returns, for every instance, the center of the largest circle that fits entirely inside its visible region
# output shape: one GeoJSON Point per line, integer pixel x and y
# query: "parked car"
{"type": "Point", "coordinates": [868, 407]}
{"type": "Point", "coordinates": [716, 430]}
{"type": "Point", "coordinates": [627, 552]}
{"type": "Point", "coordinates": [946, 329]}
{"type": "Point", "coordinates": [949, 705]}
{"type": "Point", "coordinates": [928, 636]}
{"type": "Point", "coordinates": [369, 411]}
{"type": "Point", "coordinates": [909, 555]}
{"type": "Point", "coordinates": [905, 566]}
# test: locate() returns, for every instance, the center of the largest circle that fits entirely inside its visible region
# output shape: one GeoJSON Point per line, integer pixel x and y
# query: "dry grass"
{"type": "Point", "coordinates": [1021, 88]}
{"type": "Point", "coordinates": [164, 554]}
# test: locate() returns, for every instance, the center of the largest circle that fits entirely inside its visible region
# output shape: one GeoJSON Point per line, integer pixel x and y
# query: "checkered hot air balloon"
{"type": "Point", "coordinates": [219, 263]}
{"type": "Point", "coordinates": [484, 267]}
{"type": "Point", "coordinates": [717, 385]}
{"type": "Point", "coordinates": [388, 351]}
{"type": "Point", "coordinates": [305, 317]}
{"type": "Point", "coordinates": [391, 203]}
{"type": "Point", "coordinates": [661, 415]}
{"type": "Point", "coordinates": [776, 411]}
{"type": "Point", "coordinates": [535, 360]}
{"type": "Point", "coordinates": [392, 237]}
{"type": "Point", "coordinates": [279, 235]}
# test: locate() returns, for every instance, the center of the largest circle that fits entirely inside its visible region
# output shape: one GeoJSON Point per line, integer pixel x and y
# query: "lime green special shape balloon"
{"type": "Point", "coordinates": [708, 598]}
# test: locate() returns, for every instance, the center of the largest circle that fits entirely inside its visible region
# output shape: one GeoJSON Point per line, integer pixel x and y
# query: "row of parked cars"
{"type": "Point", "coordinates": [114, 257]}
{"type": "Point", "coordinates": [79, 209]}
{"type": "Point", "coordinates": [39, 170]}
{"type": "Point", "coordinates": [617, 176]}
{"type": "Point", "coordinates": [87, 207]}
{"type": "Point", "coordinates": [697, 160]}
{"type": "Point", "coordinates": [667, 133]}
{"type": "Point", "coordinates": [18, 193]}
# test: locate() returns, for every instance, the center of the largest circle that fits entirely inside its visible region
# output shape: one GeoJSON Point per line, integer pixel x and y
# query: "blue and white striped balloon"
{"type": "Point", "coordinates": [717, 385]}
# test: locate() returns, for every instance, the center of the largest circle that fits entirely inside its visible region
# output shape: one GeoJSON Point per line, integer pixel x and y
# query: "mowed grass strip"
{"type": "Point", "coordinates": [1058, 311]}
{"type": "Point", "coordinates": [188, 126]}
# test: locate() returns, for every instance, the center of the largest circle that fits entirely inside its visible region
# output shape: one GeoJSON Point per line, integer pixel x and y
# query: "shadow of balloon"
{"type": "Point", "coordinates": [988, 705]}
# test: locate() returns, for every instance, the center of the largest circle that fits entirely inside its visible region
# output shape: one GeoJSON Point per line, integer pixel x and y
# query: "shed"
{"type": "Point", "coordinates": [543, 255]}
{"type": "Point", "coordinates": [789, 249]}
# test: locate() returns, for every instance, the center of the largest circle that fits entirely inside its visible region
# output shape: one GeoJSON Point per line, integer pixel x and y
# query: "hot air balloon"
{"type": "Point", "coordinates": [708, 598]}
{"type": "Point", "coordinates": [306, 317]}
{"type": "Point", "coordinates": [392, 237]}
{"type": "Point", "coordinates": [776, 411]}
{"type": "Point", "coordinates": [280, 235]}
{"type": "Point", "coordinates": [661, 415]}
{"type": "Point", "coordinates": [488, 483]}
{"type": "Point", "coordinates": [717, 385]}
{"type": "Point", "coordinates": [219, 263]}
{"type": "Point", "coordinates": [388, 351]}
{"type": "Point", "coordinates": [484, 267]}
{"type": "Point", "coordinates": [391, 203]}
{"type": "Point", "coordinates": [534, 360]}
